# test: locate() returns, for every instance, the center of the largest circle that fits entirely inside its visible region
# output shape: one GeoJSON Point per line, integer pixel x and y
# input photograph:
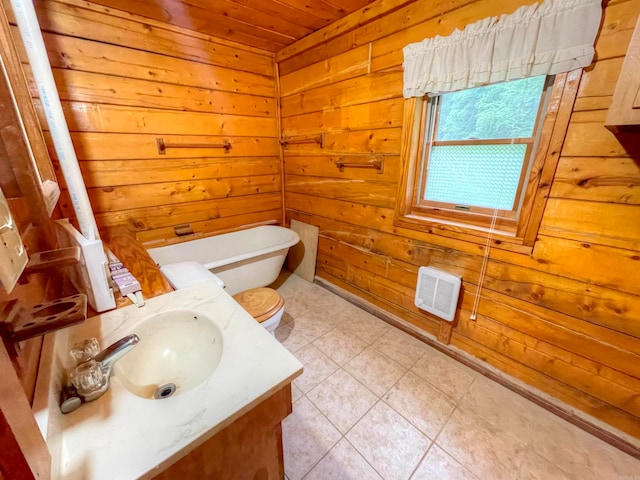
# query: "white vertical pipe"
{"type": "Point", "coordinates": [32, 37]}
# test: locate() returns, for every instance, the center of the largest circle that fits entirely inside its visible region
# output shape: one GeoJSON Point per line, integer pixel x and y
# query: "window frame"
{"type": "Point", "coordinates": [519, 235]}
{"type": "Point", "coordinates": [429, 140]}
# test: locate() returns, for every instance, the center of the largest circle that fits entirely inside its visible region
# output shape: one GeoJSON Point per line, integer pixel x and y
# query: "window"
{"type": "Point", "coordinates": [483, 159]}
{"type": "Point", "coordinates": [478, 145]}
{"type": "Point", "coordinates": [473, 159]}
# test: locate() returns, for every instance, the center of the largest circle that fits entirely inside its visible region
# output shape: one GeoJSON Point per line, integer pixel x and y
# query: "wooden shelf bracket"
{"type": "Point", "coordinates": [162, 146]}
{"type": "Point", "coordinates": [319, 139]}
{"type": "Point", "coordinates": [376, 162]}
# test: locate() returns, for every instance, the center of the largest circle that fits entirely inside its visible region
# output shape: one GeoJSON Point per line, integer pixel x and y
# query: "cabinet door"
{"type": "Point", "coordinates": [624, 111]}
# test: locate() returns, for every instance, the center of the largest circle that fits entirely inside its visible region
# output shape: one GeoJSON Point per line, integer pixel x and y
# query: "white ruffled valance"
{"type": "Point", "coordinates": [547, 38]}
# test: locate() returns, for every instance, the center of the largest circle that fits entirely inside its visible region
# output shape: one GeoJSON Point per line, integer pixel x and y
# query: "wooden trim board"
{"type": "Point", "coordinates": [302, 257]}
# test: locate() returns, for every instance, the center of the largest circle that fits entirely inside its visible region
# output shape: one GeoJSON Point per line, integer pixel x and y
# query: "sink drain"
{"type": "Point", "coordinates": [165, 391]}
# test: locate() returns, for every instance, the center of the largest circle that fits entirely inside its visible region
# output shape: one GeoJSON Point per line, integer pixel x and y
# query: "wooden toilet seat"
{"type": "Point", "coordinates": [261, 303]}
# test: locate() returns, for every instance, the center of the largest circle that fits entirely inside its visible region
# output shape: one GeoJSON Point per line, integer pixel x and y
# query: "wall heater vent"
{"type": "Point", "coordinates": [437, 292]}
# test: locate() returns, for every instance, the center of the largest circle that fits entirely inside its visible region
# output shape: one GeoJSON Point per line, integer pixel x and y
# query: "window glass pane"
{"type": "Point", "coordinates": [475, 175]}
{"type": "Point", "coordinates": [501, 110]}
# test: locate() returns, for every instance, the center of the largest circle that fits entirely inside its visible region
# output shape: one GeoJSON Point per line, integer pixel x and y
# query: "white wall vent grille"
{"type": "Point", "coordinates": [437, 292]}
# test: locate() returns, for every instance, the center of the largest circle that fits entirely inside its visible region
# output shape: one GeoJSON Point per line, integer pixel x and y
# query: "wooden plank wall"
{"type": "Point", "coordinates": [565, 319]}
{"type": "Point", "coordinates": [125, 81]}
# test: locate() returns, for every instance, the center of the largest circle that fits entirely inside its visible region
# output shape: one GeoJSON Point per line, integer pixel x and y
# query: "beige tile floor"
{"type": "Point", "coordinates": [375, 403]}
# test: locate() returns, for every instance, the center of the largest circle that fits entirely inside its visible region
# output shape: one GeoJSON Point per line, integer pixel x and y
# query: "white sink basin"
{"type": "Point", "coordinates": [178, 350]}
{"type": "Point", "coordinates": [126, 435]}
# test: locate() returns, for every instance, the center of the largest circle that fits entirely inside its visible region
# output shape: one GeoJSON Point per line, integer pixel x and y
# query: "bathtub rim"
{"type": "Point", "coordinates": [293, 239]}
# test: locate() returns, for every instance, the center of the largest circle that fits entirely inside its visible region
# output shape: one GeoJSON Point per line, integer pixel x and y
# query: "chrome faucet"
{"type": "Point", "coordinates": [115, 352]}
{"type": "Point", "coordinates": [91, 378]}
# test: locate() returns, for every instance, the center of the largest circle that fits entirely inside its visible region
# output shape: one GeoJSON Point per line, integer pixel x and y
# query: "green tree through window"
{"type": "Point", "coordinates": [502, 110]}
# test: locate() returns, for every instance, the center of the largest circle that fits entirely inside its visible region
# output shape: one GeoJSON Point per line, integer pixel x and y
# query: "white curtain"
{"type": "Point", "coordinates": [546, 38]}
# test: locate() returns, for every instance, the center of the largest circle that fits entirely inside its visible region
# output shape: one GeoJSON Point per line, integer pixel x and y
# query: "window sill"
{"type": "Point", "coordinates": [461, 231]}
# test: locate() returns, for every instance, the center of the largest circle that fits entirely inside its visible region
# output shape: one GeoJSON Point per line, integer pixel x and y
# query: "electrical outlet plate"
{"type": "Point", "coordinates": [13, 255]}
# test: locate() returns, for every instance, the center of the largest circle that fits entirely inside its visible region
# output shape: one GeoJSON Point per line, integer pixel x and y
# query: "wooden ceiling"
{"type": "Point", "coordinates": [266, 24]}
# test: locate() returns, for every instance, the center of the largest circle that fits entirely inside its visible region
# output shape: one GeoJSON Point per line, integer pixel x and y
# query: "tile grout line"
{"type": "Point", "coordinates": [379, 399]}
{"type": "Point", "coordinates": [330, 448]}
{"type": "Point", "coordinates": [356, 448]}
{"type": "Point", "coordinates": [413, 472]}
{"type": "Point", "coordinates": [432, 441]}
{"type": "Point", "coordinates": [304, 394]}
{"type": "Point", "coordinates": [444, 425]}
{"type": "Point", "coordinates": [458, 405]}
{"type": "Point", "coordinates": [343, 436]}
{"type": "Point", "coordinates": [557, 407]}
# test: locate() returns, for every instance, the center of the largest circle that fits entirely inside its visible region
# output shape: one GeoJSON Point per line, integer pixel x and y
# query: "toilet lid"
{"type": "Point", "coordinates": [261, 303]}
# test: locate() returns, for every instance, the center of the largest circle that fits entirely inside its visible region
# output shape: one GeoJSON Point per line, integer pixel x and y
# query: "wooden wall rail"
{"type": "Point", "coordinates": [563, 317]}
{"type": "Point", "coordinates": [318, 139]}
{"type": "Point", "coordinates": [374, 162]}
{"type": "Point", "coordinates": [162, 146]}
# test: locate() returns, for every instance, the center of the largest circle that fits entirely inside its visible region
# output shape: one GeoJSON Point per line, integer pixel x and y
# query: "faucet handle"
{"type": "Point", "coordinates": [85, 350]}
{"type": "Point", "coordinates": [90, 380]}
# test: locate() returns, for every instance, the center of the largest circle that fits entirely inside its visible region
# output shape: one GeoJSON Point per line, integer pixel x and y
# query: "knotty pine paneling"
{"type": "Point", "coordinates": [370, 192]}
{"type": "Point", "coordinates": [381, 27]}
{"type": "Point", "coordinates": [268, 24]}
{"type": "Point", "coordinates": [92, 88]}
{"type": "Point", "coordinates": [374, 115]}
{"type": "Point", "coordinates": [562, 317]}
{"type": "Point", "coordinates": [615, 180]}
{"type": "Point", "coordinates": [125, 81]}
{"type": "Point", "coordinates": [123, 146]}
{"type": "Point", "coordinates": [99, 57]}
{"type": "Point", "coordinates": [325, 166]}
{"type": "Point", "coordinates": [352, 91]}
{"type": "Point", "coordinates": [104, 118]}
{"type": "Point", "coordinates": [88, 20]}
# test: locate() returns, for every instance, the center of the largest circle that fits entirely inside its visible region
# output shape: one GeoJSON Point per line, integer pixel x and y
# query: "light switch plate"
{"type": "Point", "coordinates": [13, 255]}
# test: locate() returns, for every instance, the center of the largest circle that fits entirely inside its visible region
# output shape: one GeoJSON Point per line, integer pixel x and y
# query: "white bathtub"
{"type": "Point", "coordinates": [245, 259]}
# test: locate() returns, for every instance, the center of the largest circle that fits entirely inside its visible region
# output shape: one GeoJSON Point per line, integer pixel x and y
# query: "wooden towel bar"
{"type": "Point", "coordinates": [374, 162]}
{"type": "Point", "coordinates": [319, 139]}
{"type": "Point", "coordinates": [162, 147]}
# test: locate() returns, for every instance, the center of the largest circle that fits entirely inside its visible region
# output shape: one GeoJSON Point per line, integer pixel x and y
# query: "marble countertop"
{"type": "Point", "coordinates": [121, 435]}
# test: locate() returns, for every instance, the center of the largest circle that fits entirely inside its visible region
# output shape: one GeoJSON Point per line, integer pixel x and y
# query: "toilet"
{"type": "Point", "coordinates": [264, 304]}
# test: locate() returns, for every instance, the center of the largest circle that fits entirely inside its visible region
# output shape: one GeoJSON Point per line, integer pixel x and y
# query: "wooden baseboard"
{"type": "Point", "coordinates": [581, 420]}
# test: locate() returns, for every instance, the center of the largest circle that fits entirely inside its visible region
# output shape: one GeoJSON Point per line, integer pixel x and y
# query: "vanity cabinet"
{"type": "Point", "coordinates": [250, 448]}
{"type": "Point", "coordinates": [624, 112]}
